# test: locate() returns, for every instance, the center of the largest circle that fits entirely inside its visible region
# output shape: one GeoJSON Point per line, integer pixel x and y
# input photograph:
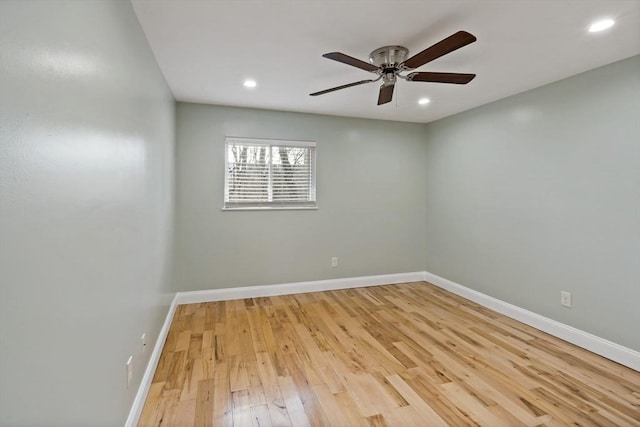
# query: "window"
{"type": "Point", "coordinates": [263, 173]}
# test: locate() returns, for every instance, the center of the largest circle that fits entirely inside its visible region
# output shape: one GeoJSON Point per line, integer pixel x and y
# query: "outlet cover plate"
{"type": "Point", "coordinates": [565, 298]}
{"type": "Point", "coordinates": [129, 370]}
{"type": "Point", "coordinates": [143, 343]}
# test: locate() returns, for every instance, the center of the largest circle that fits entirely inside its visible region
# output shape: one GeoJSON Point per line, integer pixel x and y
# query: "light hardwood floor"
{"type": "Point", "coordinates": [398, 355]}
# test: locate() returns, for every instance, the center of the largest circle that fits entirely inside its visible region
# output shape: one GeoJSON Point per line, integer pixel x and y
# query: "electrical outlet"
{"type": "Point", "coordinates": [565, 298]}
{"type": "Point", "coordinates": [129, 370]}
{"type": "Point", "coordinates": [334, 261]}
{"type": "Point", "coordinates": [143, 343]}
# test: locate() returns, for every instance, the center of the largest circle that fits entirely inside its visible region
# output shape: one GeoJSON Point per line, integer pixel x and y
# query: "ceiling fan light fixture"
{"type": "Point", "coordinates": [601, 25]}
{"type": "Point", "coordinates": [250, 83]}
{"type": "Point", "coordinates": [424, 101]}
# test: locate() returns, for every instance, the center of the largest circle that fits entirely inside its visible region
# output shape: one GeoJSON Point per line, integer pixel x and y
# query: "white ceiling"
{"type": "Point", "coordinates": [207, 48]}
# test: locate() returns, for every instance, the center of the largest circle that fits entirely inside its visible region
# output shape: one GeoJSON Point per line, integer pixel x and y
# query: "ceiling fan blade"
{"type": "Point", "coordinates": [349, 60]}
{"type": "Point", "coordinates": [448, 45]}
{"type": "Point", "coordinates": [386, 93]}
{"type": "Point", "coordinates": [322, 92]}
{"type": "Point", "coordinates": [456, 78]}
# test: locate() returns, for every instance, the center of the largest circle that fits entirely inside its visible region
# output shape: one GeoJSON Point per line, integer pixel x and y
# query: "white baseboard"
{"type": "Point", "coordinates": [296, 288]}
{"type": "Point", "coordinates": [147, 378]}
{"type": "Point", "coordinates": [623, 355]}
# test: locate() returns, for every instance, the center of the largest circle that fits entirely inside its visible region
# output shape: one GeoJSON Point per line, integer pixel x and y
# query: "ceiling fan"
{"type": "Point", "coordinates": [389, 61]}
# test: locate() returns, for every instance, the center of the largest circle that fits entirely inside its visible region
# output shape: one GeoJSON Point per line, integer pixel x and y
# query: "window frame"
{"type": "Point", "coordinates": [310, 204]}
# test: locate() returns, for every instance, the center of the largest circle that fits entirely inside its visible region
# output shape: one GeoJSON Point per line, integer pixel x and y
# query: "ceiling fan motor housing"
{"type": "Point", "coordinates": [389, 57]}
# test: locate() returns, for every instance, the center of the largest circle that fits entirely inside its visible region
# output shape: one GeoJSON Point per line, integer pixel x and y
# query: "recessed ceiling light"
{"type": "Point", "coordinates": [601, 25]}
{"type": "Point", "coordinates": [249, 83]}
{"type": "Point", "coordinates": [424, 101]}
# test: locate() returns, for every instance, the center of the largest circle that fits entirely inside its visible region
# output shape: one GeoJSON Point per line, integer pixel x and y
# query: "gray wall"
{"type": "Point", "coordinates": [370, 192]}
{"type": "Point", "coordinates": [540, 193]}
{"type": "Point", "coordinates": [86, 209]}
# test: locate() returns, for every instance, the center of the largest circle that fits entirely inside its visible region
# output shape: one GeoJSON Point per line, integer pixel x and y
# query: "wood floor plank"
{"type": "Point", "coordinates": [417, 402]}
{"type": "Point", "coordinates": [256, 392]}
{"type": "Point", "coordinates": [294, 405]}
{"type": "Point", "coordinates": [204, 403]}
{"type": "Point", "coordinates": [241, 408]}
{"type": "Point", "coordinates": [222, 407]}
{"type": "Point", "coordinates": [183, 414]}
{"type": "Point", "coordinates": [260, 416]}
{"type": "Point", "coordinates": [401, 355]}
{"type": "Point", "coordinates": [456, 394]}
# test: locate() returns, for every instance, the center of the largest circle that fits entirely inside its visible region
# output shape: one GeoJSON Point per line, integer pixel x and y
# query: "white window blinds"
{"type": "Point", "coordinates": [263, 173]}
